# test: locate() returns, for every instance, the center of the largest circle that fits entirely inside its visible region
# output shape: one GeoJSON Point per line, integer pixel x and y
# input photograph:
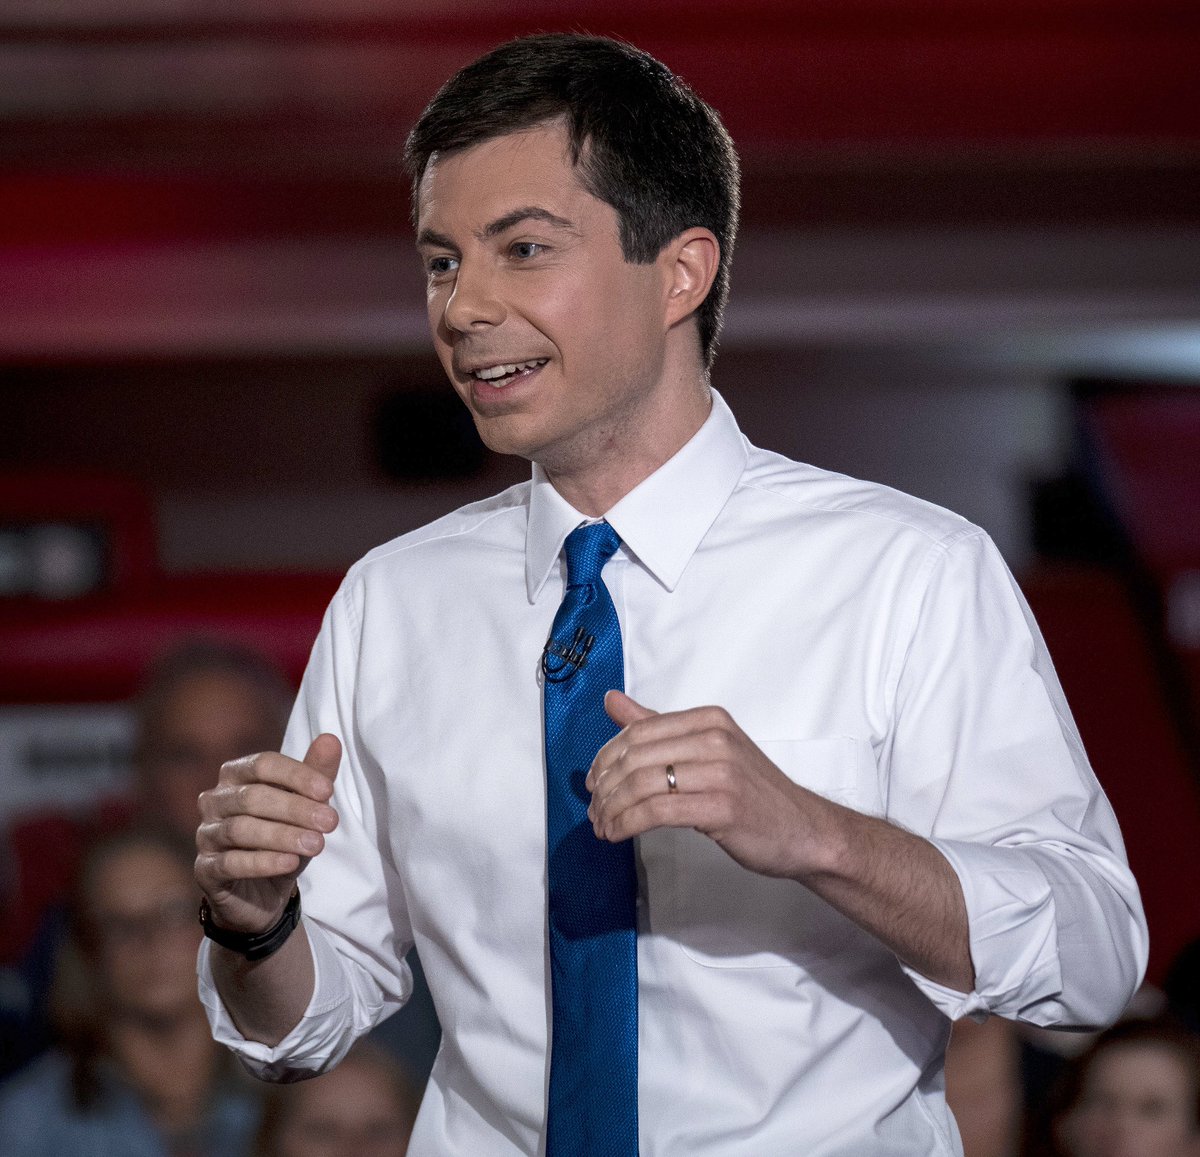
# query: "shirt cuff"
{"type": "Point", "coordinates": [1013, 937]}
{"type": "Point", "coordinates": [319, 1039]}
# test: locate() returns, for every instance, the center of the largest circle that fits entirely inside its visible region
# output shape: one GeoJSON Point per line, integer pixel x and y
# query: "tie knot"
{"type": "Point", "coordinates": [588, 549]}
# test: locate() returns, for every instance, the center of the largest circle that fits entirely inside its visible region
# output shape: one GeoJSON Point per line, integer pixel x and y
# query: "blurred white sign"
{"type": "Point", "coordinates": [63, 758]}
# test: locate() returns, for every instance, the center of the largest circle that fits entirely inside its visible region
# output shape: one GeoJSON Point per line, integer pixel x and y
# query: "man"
{"type": "Point", "coordinates": [846, 785]}
{"type": "Point", "coordinates": [203, 702]}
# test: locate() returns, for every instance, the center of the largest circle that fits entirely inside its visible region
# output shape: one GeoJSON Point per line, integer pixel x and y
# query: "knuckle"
{"type": "Point", "coordinates": [726, 810]}
{"type": "Point", "coordinates": [234, 769]}
{"type": "Point", "coordinates": [261, 763]}
{"type": "Point", "coordinates": [252, 798]}
{"type": "Point", "coordinates": [238, 830]}
{"type": "Point", "coordinates": [206, 838]}
{"type": "Point", "coordinates": [207, 869]}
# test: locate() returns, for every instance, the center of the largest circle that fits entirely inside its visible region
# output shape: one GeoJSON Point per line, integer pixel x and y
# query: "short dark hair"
{"type": "Point", "coordinates": [643, 142]}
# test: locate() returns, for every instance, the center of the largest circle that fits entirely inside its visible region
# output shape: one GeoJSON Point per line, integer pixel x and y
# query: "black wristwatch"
{"type": "Point", "coordinates": [253, 945]}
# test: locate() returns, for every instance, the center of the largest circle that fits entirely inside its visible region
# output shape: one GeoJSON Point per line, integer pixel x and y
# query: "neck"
{"type": "Point", "coordinates": [631, 450]}
{"type": "Point", "coordinates": [170, 1061]}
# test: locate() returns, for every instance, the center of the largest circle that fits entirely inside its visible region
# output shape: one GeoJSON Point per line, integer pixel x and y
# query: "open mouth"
{"type": "Point", "coordinates": [504, 375]}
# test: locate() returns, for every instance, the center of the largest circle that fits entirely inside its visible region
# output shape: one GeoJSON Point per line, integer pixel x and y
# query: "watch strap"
{"type": "Point", "coordinates": [253, 945]}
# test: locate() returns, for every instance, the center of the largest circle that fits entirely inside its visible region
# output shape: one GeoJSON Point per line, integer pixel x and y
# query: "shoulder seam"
{"type": "Point", "coordinates": [398, 545]}
{"type": "Point", "coordinates": [945, 541]}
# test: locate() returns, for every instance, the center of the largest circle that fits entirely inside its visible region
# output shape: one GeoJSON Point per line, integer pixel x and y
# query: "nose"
{"type": "Point", "coordinates": [473, 303]}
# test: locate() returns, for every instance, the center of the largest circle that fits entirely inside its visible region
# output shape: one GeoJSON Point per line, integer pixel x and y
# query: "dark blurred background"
{"type": "Point", "coordinates": [969, 267]}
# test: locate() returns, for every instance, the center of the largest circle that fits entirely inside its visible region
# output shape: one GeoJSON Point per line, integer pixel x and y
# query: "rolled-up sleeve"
{"type": "Point", "coordinates": [353, 903]}
{"type": "Point", "coordinates": [986, 762]}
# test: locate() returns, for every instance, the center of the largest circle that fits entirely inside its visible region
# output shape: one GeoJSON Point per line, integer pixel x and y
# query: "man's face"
{"type": "Point", "coordinates": [525, 269]}
{"type": "Point", "coordinates": [1138, 1101]}
{"type": "Point", "coordinates": [142, 906]}
{"type": "Point", "coordinates": [209, 717]}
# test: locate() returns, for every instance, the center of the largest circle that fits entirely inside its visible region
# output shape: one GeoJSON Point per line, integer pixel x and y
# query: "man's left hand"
{"type": "Point", "coordinates": [896, 885]}
{"type": "Point", "coordinates": [725, 787]}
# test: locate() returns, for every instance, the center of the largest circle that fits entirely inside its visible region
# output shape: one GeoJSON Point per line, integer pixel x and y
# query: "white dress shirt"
{"type": "Point", "coordinates": [873, 645]}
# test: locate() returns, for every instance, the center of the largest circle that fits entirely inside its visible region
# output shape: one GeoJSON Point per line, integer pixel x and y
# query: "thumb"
{"type": "Point", "coordinates": [325, 754]}
{"type": "Point", "coordinates": [624, 710]}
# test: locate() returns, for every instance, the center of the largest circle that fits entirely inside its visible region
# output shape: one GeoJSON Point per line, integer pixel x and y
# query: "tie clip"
{"type": "Point", "coordinates": [573, 657]}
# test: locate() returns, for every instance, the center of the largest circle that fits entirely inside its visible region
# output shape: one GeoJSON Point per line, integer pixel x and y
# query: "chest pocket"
{"type": "Point", "coordinates": [724, 916]}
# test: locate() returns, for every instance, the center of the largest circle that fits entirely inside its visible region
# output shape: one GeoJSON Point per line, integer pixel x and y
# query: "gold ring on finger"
{"type": "Point", "coordinates": [672, 783]}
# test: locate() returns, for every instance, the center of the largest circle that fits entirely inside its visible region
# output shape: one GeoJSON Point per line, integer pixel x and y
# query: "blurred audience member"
{"type": "Point", "coordinates": [203, 704]}
{"type": "Point", "coordinates": [983, 1086]}
{"type": "Point", "coordinates": [137, 1073]}
{"type": "Point", "coordinates": [1134, 1093]}
{"type": "Point", "coordinates": [365, 1107]}
{"type": "Point", "coordinates": [1047, 1054]}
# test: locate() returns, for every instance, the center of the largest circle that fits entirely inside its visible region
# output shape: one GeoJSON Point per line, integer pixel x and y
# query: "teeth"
{"type": "Point", "coordinates": [492, 373]}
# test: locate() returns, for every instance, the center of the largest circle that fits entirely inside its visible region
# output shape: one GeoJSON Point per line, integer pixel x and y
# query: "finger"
{"type": "Point", "coordinates": [252, 834]}
{"type": "Point", "coordinates": [699, 810]}
{"type": "Point", "coordinates": [624, 709]}
{"type": "Point", "coordinates": [655, 725]}
{"type": "Point", "coordinates": [216, 870]}
{"type": "Point", "coordinates": [702, 733]}
{"type": "Point", "coordinates": [614, 764]}
{"type": "Point", "coordinates": [268, 803]}
{"type": "Point", "coordinates": [691, 777]}
{"type": "Point", "coordinates": [281, 771]}
{"type": "Point", "coordinates": [325, 755]}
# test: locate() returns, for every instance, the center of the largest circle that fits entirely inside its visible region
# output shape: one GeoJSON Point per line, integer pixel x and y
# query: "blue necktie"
{"type": "Point", "coordinates": [592, 884]}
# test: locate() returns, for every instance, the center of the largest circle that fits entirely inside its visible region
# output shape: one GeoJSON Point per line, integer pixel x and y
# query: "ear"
{"type": "Point", "coordinates": [690, 264]}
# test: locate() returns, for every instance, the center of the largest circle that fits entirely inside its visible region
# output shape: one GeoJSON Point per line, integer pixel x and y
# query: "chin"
{"type": "Point", "coordinates": [502, 436]}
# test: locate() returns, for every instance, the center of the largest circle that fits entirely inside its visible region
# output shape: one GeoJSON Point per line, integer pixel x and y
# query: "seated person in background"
{"type": "Point", "coordinates": [208, 702]}
{"type": "Point", "coordinates": [1134, 1093]}
{"type": "Point", "coordinates": [204, 702]}
{"type": "Point", "coordinates": [137, 1074]}
{"type": "Point", "coordinates": [365, 1107]}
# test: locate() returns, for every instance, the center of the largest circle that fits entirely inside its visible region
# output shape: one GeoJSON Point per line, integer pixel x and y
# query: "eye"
{"type": "Point", "coordinates": [524, 250]}
{"type": "Point", "coordinates": [440, 266]}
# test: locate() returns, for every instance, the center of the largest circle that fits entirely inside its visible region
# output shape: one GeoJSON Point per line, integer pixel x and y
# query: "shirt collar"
{"type": "Point", "coordinates": [663, 519]}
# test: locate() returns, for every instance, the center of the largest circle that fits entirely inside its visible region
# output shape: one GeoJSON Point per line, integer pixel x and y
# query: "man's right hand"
{"type": "Point", "coordinates": [259, 827]}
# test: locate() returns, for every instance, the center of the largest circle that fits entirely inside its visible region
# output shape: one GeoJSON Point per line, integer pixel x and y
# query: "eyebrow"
{"type": "Point", "coordinates": [432, 239]}
{"type": "Point", "coordinates": [525, 213]}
